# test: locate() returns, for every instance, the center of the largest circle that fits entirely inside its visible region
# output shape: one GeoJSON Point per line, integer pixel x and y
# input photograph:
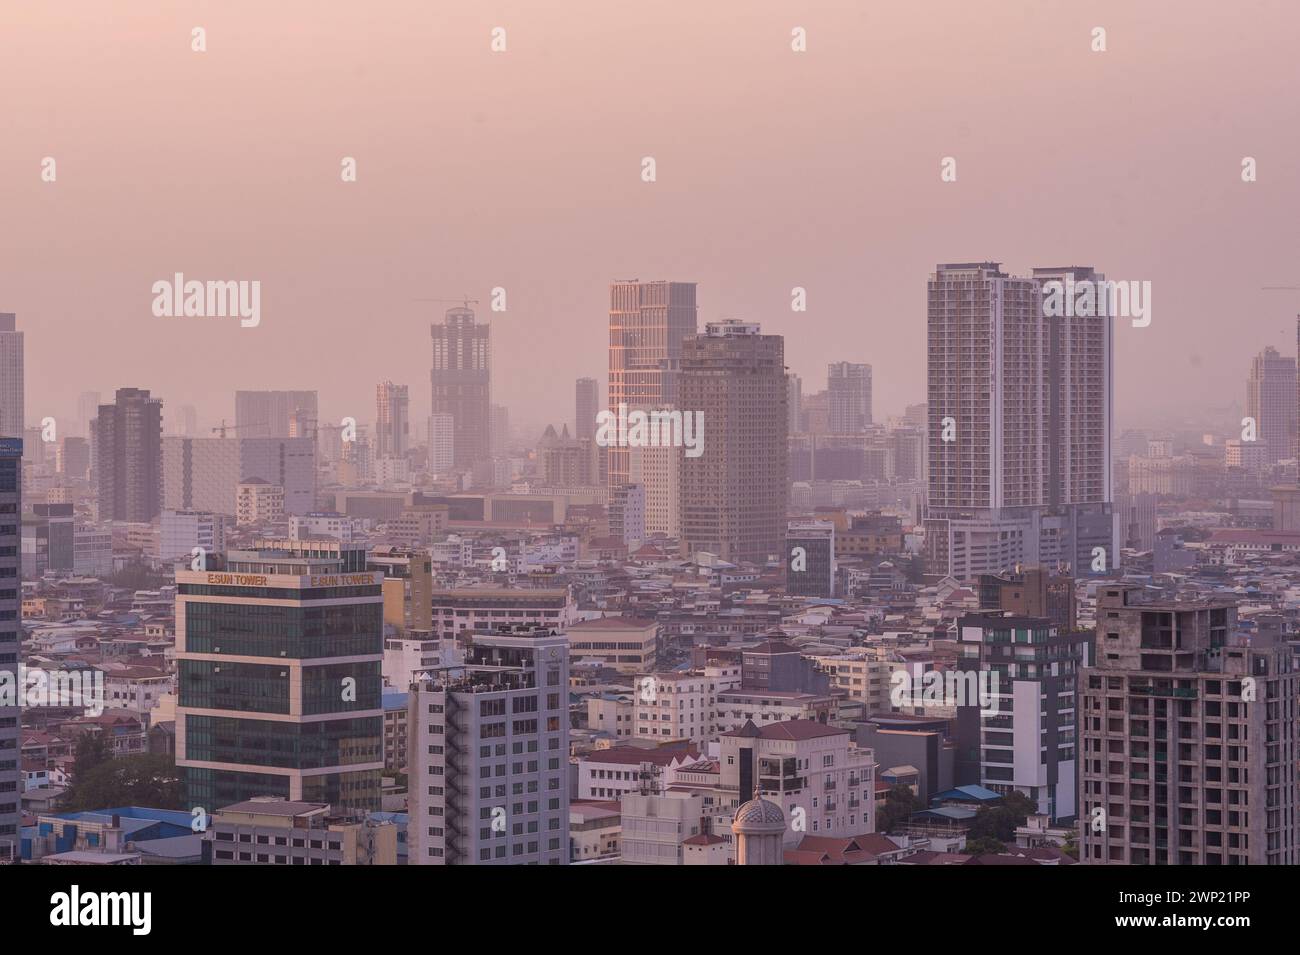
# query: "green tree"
{"type": "Point", "coordinates": [1001, 821]}
{"type": "Point", "coordinates": [984, 846]}
{"type": "Point", "coordinates": [90, 752]}
{"type": "Point", "coordinates": [900, 803]}
{"type": "Point", "coordinates": [129, 781]}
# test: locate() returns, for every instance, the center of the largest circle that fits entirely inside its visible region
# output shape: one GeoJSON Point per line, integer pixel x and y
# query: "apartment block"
{"type": "Point", "coordinates": [813, 771]}
{"type": "Point", "coordinates": [489, 754]}
{"type": "Point", "coordinates": [1020, 736]}
{"type": "Point", "coordinates": [1188, 735]}
{"type": "Point", "coordinates": [274, 831]}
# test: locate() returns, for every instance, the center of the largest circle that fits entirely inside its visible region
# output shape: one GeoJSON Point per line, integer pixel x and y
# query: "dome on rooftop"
{"type": "Point", "coordinates": [759, 815]}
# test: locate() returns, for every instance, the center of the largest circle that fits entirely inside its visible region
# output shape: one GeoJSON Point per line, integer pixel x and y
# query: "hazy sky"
{"type": "Point", "coordinates": [522, 170]}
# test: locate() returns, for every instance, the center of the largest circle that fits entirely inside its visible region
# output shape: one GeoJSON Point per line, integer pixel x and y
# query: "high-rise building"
{"type": "Point", "coordinates": [1020, 736]}
{"type": "Point", "coordinates": [279, 673]}
{"type": "Point", "coordinates": [648, 321]}
{"type": "Point", "coordinates": [11, 377]}
{"type": "Point", "coordinates": [11, 486]}
{"type": "Point", "coordinates": [733, 494]}
{"type": "Point", "coordinates": [442, 442]}
{"type": "Point", "coordinates": [87, 409]}
{"type": "Point", "coordinates": [461, 382]}
{"type": "Point", "coordinates": [489, 745]}
{"type": "Point", "coordinates": [180, 532]}
{"type": "Point", "coordinates": [659, 471]}
{"type": "Point", "coordinates": [128, 456]}
{"type": "Point", "coordinates": [185, 422]}
{"type": "Point", "coordinates": [74, 457]}
{"type": "Point", "coordinates": [793, 402]}
{"type": "Point", "coordinates": [627, 514]}
{"type": "Point", "coordinates": [1270, 402]}
{"type": "Point", "coordinates": [848, 389]}
{"type": "Point", "coordinates": [272, 414]}
{"type": "Point", "coordinates": [48, 533]}
{"type": "Point", "coordinates": [1187, 737]}
{"type": "Point", "coordinates": [203, 474]}
{"type": "Point", "coordinates": [586, 405]}
{"type": "Point", "coordinates": [499, 425]}
{"type": "Point", "coordinates": [392, 420]}
{"type": "Point", "coordinates": [1019, 453]}
{"type": "Point", "coordinates": [810, 558]}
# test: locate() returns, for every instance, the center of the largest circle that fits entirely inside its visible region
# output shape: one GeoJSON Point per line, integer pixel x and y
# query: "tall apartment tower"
{"type": "Point", "coordinates": [442, 438]}
{"type": "Point", "coordinates": [461, 383]}
{"type": "Point", "coordinates": [648, 321]}
{"type": "Point", "coordinates": [273, 414]}
{"type": "Point", "coordinates": [128, 457]}
{"type": "Point", "coordinates": [11, 377]}
{"type": "Point", "coordinates": [392, 420]}
{"type": "Point", "coordinates": [291, 706]}
{"type": "Point", "coordinates": [1019, 407]}
{"type": "Point", "coordinates": [586, 404]}
{"type": "Point", "coordinates": [793, 402]}
{"type": "Point", "coordinates": [1188, 737]}
{"type": "Point", "coordinates": [848, 390]}
{"type": "Point", "coordinates": [87, 409]}
{"type": "Point", "coordinates": [488, 754]}
{"type": "Point", "coordinates": [1270, 401]}
{"type": "Point", "coordinates": [1021, 736]}
{"type": "Point", "coordinates": [733, 495]}
{"type": "Point", "coordinates": [11, 485]}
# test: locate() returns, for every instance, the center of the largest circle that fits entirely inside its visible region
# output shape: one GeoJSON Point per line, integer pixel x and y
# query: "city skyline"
{"type": "Point", "coordinates": [850, 433]}
{"type": "Point", "coordinates": [882, 158]}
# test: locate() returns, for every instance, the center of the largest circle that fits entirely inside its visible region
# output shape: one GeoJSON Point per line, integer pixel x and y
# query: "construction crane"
{"type": "Point", "coordinates": [234, 427]}
{"type": "Point", "coordinates": [466, 301]}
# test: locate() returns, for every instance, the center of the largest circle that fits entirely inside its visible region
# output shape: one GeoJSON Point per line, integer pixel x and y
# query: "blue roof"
{"type": "Point", "coordinates": [954, 813]}
{"type": "Point", "coordinates": [140, 813]}
{"type": "Point", "coordinates": [395, 699]}
{"type": "Point", "coordinates": [968, 792]}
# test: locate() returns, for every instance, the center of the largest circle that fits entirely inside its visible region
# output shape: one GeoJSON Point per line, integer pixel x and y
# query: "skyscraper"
{"type": "Point", "coordinates": [1270, 401]}
{"type": "Point", "coordinates": [279, 672]}
{"type": "Point", "coordinates": [202, 474]}
{"type": "Point", "coordinates": [11, 377]}
{"type": "Point", "coordinates": [648, 321]}
{"type": "Point", "coordinates": [128, 457]}
{"type": "Point", "coordinates": [586, 406]}
{"type": "Point", "coordinates": [1187, 737]}
{"type": "Point", "coordinates": [586, 403]}
{"type": "Point", "coordinates": [793, 402]}
{"type": "Point", "coordinates": [271, 414]}
{"type": "Point", "coordinates": [11, 484]}
{"type": "Point", "coordinates": [442, 437]}
{"type": "Point", "coordinates": [1019, 412]}
{"type": "Point", "coordinates": [461, 382]}
{"type": "Point", "coordinates": [392, 420]}
{"type": "Point", "coordinates": [489, 742]}
{"type": "Point", "coordinates": [87, 408]}
{"type": "Point", "coordinates": [733, 495]}
{"type": "Point", "coordinates": [848, 389]}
